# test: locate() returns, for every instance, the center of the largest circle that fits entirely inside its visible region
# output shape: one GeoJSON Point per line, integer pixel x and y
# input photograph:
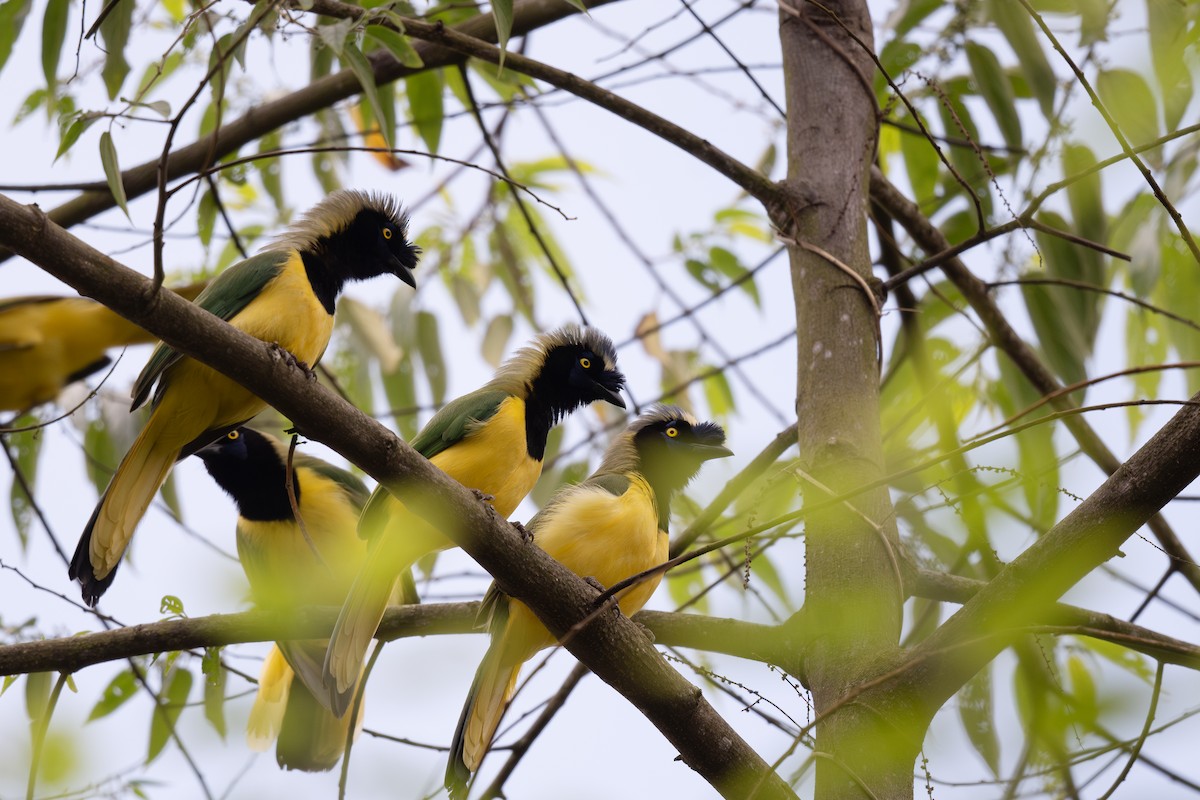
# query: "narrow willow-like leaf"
{"type": "Point", "coordinates": [502, 10]}
{"type": "Point", "coordinates": [24, 447]}
{"type": "Point", "coordinates": [429, 344]}
{"type": "Point", "coordinates": [993, 83]}
{"type": "Point", "coordinates": [353, 57]}
{"type": "Point", "coordinates": [495, 338]}
{"type": "Point", "coordinates": [172, 700]}
{"type": "Point", "coordinates": [12, 19]}
{"type": "Point", "coordinates": [119, 691]}
{"type": "Point", "coordinates": [977, 713]}
{"type": "Point", "coordinates": [397, 44]}
{"type": "Point", "coordinates": [1019, 32]}
{"type": "Point", "coordinates": [112, 172]}
{"type": "Point", "coordinates": [214, 689]}
{"type": "Point", "coordinates": [115, 31]}
{"type": "Point", "coordinates": [1129, 100]}
{"type": "Point", "coordinates": [425, 106]}
{"type": "Point", "coordinates": [54, 32]}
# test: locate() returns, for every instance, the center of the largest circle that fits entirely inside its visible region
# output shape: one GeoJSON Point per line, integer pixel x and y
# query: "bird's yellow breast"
{"type": "Point", "coordinates": [279, 563]}
{"type": "Point", "coordinates": [599, 535]}
{"type": "Point", "coordinates": [285, 312]}
{"type": "Point", "coordinates": [494, 458]}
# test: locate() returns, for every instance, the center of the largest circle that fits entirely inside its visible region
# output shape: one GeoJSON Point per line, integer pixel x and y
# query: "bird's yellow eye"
{"type": "Point", "coordinates": [387, 233]}
{"type": "Point", "coordinates": [672, 431]}
{"type": "Point", "coordinates": [233, 435]}
{"type": "Point", "coordinates": [585, 362]}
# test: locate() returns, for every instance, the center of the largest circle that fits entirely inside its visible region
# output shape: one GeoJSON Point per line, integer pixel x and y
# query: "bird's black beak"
{"type": "Point", "coordinates": [707, 452]}
{"type": "Point", "coordinates": [609, 385]}
{"type": "Point", "coordinates": [404, 273]}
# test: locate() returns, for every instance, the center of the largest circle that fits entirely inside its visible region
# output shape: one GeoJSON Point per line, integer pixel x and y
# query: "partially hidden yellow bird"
{"type": "Point", "coordinates": [284, 295]}
{"type": "Point", "coordinates": [48, 342]}
{"type": "Point", "coordinates": [608, 528]}
{"type": "Point", "coordinates": [491, 440]}
{"type": "Point", "coordinates": [285, 573]}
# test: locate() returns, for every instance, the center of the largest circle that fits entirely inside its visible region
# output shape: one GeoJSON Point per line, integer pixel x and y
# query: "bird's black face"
{"type": "Point", "coordinates": [248, 467]}
{"type": "Point", "coordinates": [573, 375]}
{"type": "Point", "coordinates": [672, 451]}
{"type": "Point", "coordinates": [382, 246]}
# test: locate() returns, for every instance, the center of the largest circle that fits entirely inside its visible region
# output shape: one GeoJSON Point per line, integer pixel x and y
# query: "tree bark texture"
{"type": "Point", "coordinates": [854, 589]}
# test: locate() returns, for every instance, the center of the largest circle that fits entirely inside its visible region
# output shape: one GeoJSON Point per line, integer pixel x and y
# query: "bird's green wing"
{"type": "Point", "coordinates": [351, 484]}
{"type": "Point", "coordinates": [456, 419]}
{"type": "Point", "coordinates": [225, 296]}
{"type": "Point", "coordinates": [447, 427]}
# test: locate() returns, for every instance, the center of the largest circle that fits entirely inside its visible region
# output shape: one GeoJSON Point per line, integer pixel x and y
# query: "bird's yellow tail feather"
{"type": "Point", "coordinates": [356, 624]}
{"type": "Point", "coordinates": [266, 715]}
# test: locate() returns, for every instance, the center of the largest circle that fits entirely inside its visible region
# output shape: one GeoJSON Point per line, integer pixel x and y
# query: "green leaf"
{"type": "Point", "coordinates": [1036, 457]}
{"type": "Point", "coordinates": [425, 106]}
{"type": "Point", "coordinates": [911, 13]}
{"type": "Point", "coordinates": [79, 122]}
{"type": "Point", "coordinates": [726, 263]}
{"type": "Point", "coordinates": [115, 30]}
{"type": "Point", "coordinates": [718, 394]}
{"type": "Point", "coordinates": [24, 447]}
{"type": "Point", "coordinates": [214, 689]}
{"type": "Point", "coordinates": [112, 172]}
{"type": "Point", "coordinates": [397, 44]}
{"type": "Point", "coordinates": [12, 18]}
{"type": "Point", "coordinates": [354, 58]}
{"type": "Point", "coordinates": [170, 496]}
{"type": "Point", "coordinates": [1018, 30]}
{"type": "Point", "coordinates": [1085, 198]}
{"type": "Point", "coordinates": [37, 694]}
{"type": "Point", "coordinates": [1168, 46]}
{"type": "Point", "coordinates": [1129, 100]}
{"type": "Point", "coordinates": [430, 347]}
{"type": "Point", "coordinates": [54, 32]}
{"type": "Point", "coordinates": [269, 170]}
{"type": "Point", "coordinates": [118, 692]}
{"type": "Point", "coordinates": [977, 713]}
{"type": "Point", "coordinates": [171, 605]}
{"type": "Point", "coordinates": [206, 217]}
{"type": "Point", "coordinates": [9, 680]}
{"type": "Point", "coordinates": [171, 703]}
{"type": "Point", "coordinates": [921, 162]}
{"type": "Point", "coordinates": [997, 92]}
{"type": "Point", "coordinates": [495, 338]}
{"type": "Point", "coordinates": [1083, 689]}
{"type": "Point", "coordinates": [502, 10]}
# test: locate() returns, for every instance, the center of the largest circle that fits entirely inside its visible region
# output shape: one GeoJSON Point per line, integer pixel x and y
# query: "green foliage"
{"type": "Point", "coordinates": [23, 448]}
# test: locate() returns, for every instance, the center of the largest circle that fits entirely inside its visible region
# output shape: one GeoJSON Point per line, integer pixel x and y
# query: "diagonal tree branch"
{"type": "Point", "coordinates": [1023, 593]}
{"type": "Point", "coordinates": [611, 646]}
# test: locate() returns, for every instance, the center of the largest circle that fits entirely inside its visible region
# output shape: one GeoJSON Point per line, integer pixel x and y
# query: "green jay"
{"type": "Point", "coordinates": [610, 527]}
{"type": "Point", "coordinates": [285, 572]}
{"type": "Point", "coordinates": [491, 440]}
{"type": "Point", "coordinates": [284, 295]}
{"type": "Point", "coordinates": [48, 342]}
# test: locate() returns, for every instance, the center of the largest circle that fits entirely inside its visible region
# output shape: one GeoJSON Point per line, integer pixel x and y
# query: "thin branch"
{"type": "Point", "coordinates": [1141, 740]}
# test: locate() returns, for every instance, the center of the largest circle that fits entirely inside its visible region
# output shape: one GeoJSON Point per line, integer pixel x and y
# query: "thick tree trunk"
{"type": "Point", "coordinates": [854, 587]}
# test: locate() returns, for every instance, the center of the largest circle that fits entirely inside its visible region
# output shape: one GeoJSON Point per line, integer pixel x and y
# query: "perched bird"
{"type": "Point", "coordinates": [285, 572]}
{"type": "Point", "coordinates": [491, 440]}
{"type": "Point", "coordinates": [607, 528]}
{"type": "Point", "coordinates": [48, 342]}
{"type": "Point", "coordinates": [284, 295]}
